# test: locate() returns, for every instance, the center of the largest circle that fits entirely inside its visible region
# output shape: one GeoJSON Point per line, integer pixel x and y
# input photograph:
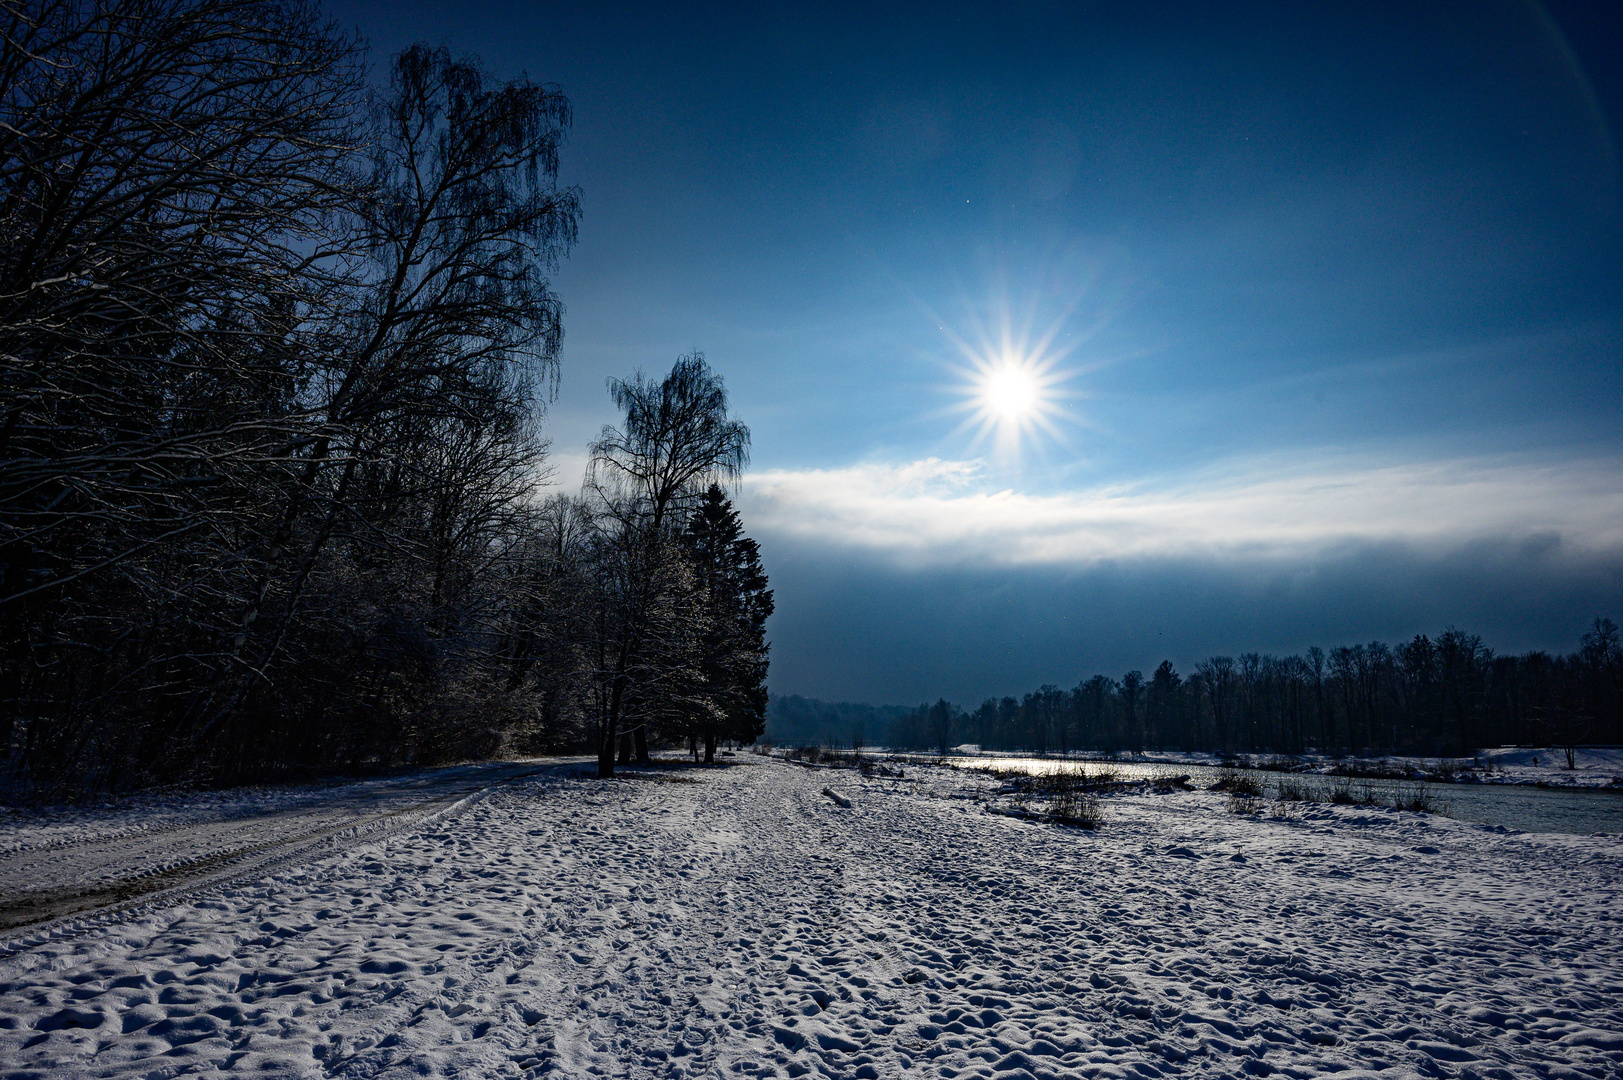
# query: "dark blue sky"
{"type": "Point", "coordinates": [1329, 300]}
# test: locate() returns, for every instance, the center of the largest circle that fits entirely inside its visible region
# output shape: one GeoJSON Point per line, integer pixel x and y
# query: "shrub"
{"type": "Point", "coordinates": [1417, 799]}
{"type": "Point", "coordinates": [1364, 768]}
{"type": "Point", "coordinates": [1103, 778]}
{"type": "Point", "coordinates": [1244, 803]}
{"type": "Point", "coordinates": [1075, 807]}
{"type": "Point", "coordinates": [1060, 781]}
{"type": "Point", "coordinates": [1292, 790]}
{"type": "Point", "coordinates": [1237, 783]}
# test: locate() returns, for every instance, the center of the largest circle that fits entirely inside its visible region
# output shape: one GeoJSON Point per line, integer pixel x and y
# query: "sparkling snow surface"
{"type": "Point", "coordinates": [738, 922]}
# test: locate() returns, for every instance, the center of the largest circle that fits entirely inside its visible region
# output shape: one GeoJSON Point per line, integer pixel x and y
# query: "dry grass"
{"type": "Point", "coordinates": [1417, 799]}
{"type": "Point", "coordinates": [1292, 790]}
{"type": "Point", "coordinates": [1244, 804]}
{"type": "Point", "coordinates": [1238, 783]}
{"type": "Point", "coordinates": [1078, 808]}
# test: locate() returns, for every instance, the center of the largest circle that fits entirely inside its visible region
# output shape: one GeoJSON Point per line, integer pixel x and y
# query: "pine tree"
{"type": "Point", "coordinates": [736, 604]}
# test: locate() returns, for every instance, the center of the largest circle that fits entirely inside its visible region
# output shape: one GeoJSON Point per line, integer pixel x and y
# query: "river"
{"type": "Point", "coordinates": [1515, 806]}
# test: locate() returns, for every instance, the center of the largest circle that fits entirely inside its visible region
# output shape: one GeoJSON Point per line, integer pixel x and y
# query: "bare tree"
{"type": "Point", "coordinates": [1217, 679]}
{"type": "Point", "coordinates": [450, 304]}
{"type": "Point", "coordinates": [169, 170]}
{"type": "Point", "coordinates": [270, 356]}
{"type": "Point", "coordinates": [676, 438]}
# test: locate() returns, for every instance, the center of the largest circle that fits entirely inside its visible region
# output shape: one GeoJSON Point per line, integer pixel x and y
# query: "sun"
{"type": "Point", "coordinates": [1012, 397]}
{"type": "Point", "coordinates": [1015, 378]}
{"type": "Point", "coordinates": [1011, 392]}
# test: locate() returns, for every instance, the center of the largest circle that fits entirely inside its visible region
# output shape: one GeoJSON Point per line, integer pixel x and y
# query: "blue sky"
{"type": "Point", "coordinates": [1330, 298]}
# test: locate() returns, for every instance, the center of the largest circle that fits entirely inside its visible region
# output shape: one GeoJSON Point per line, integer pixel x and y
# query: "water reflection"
{"type": "Point", "coordinates": [1530, 809]}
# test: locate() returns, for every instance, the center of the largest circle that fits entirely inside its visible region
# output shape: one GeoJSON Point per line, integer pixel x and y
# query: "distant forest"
{"type": "Point", "coordinates": [274, 346]}
{"type": "Point", "coordinates": [1433, 696]}
{"type": "Point", "coordinates": [792, 720]}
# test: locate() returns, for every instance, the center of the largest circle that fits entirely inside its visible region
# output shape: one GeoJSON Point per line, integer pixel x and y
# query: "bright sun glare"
{"type": "Point", "coordinates": [1011, 392]}
{"type": "Point", "coordinates": [1011, 397]}
{"type": "Point", "coordinates": [1012, 387]}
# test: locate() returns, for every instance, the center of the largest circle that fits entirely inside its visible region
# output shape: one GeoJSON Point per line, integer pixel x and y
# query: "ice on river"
{"type": "Point", "coordinates": [738, 922]}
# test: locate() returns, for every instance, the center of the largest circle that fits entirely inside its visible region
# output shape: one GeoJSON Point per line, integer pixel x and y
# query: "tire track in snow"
{"type": "Point", "coordinates": [113, 875]}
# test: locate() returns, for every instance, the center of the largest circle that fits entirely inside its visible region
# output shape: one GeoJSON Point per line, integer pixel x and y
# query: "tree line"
{"type": "Point", "coordinates": [274, 347]}
{"type": "Point", "coordinates": [1429, 696]}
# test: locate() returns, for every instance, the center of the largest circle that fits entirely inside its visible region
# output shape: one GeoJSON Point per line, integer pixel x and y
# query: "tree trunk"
{"type": "Point", "coordinates": [605, 745]}
{"type": "Point", "coordinates": [642, 744]}
{"type": "Point", "coordinates": [710, 748]}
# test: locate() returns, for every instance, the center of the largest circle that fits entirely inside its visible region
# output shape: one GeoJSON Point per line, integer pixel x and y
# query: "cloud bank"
{"type": "Point", "coordinates": [940, 513]}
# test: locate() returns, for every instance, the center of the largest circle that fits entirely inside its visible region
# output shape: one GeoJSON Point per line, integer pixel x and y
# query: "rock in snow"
{"type": "Point", "coordinates": [747, 926]}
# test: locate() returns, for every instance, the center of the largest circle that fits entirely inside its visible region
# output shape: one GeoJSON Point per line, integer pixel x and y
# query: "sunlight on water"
{"type": "Point", "coordinates": [1515, 806]}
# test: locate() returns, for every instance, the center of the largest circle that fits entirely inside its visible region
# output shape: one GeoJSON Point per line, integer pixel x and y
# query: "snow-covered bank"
{"type": "Point", "coordinates": [1591, 767]}
{"type": "Point", "coordinates": [737, 921]}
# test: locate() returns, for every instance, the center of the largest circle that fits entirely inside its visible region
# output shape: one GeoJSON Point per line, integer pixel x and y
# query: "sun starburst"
{"type": "Point", "coordinates": [1013, 389]}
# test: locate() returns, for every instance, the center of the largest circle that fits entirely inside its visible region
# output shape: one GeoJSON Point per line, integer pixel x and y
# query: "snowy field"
{"type": "Point", "coordinates": [59, 863]}
{"type": "Point", "coordinates": [736, 921]}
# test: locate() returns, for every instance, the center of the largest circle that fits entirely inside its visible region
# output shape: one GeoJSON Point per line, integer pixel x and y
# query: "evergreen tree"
{"type": "Point", "coordinates": [736, 603]}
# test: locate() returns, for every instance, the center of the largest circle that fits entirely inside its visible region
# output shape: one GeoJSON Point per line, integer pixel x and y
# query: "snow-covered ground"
{"type": "Point", "coordinates": [154, 812]}
{"type": "Point", "coordinates": [55, 863]}
{"type": "Point", "coordinates": [736, 921]}
{"type": "Point", "coordinates": [1593, 766]}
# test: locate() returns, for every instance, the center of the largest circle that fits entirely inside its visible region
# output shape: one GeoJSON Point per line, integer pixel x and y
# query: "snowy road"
{"type": "Point", "coordinates": [94, 864]}
{"type": "Point", "coordinates": [737, 922]}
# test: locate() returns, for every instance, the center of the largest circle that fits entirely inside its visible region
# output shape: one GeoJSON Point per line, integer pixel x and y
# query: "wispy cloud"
{"type": "Point", "coordinates": [936, 512]}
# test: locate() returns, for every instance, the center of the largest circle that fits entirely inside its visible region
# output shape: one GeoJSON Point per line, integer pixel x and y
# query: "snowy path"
{"type": "Point", "coordinates": [94, 862]}
{"type": "Point", "coordinates": [737, 922]}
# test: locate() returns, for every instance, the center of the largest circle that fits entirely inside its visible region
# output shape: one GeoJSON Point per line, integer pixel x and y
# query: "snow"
{"type": "Point", "coordinates": [736, 921]}
{"type": "Point", "coordinates": [148, 813]}
{"type": "Point", "coordinates": [1593, 766]}
{"type": "Point", "coordinates": [57, 863]}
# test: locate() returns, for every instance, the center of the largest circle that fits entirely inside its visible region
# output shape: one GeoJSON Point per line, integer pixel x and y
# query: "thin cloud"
{"type": "Point", "coordinates": [942, 512]}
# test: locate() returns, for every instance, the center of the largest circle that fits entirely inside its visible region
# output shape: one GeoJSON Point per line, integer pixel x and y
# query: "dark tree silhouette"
{"type": "Point", "coordinates": [735, 604]}
{"type": "Point", "coordinates": [270, 354]}
{"type": "Point", "coordinates": [675, 440]}
{"type": "Point", "coordinates": [1429, 696]}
